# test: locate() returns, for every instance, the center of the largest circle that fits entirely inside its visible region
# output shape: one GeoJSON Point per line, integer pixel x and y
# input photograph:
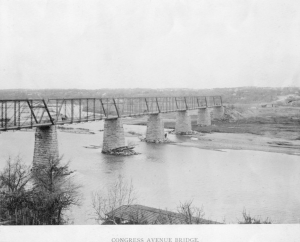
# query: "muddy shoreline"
{"type": "Point", "coordinates": [269, 130]}
{"type": "Point", "coordinates": [229, 141]}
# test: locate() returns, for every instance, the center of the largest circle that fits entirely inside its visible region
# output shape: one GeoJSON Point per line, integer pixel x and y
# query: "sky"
{"type": "Point", "coordinates": [149, 43]}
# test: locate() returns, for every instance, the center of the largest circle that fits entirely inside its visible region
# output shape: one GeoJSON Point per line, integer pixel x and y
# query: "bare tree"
{"type": "Point", "coordinates": [105, 202]}
{"type": "Point", "coordinates": [13, 180]}
{"type": "Point", "coordinates": [191, 214]}
{"type": "Point", "coordinates": [54, 189]}
{"type": "Point", "coordinates": [15, 175]}
{"type": "Point", "coordinates": [50, 193]}
{"type": "Point", "coordinates": [248, 219]}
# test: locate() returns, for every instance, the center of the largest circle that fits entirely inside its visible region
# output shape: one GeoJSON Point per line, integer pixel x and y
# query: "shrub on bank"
{"type": "Point", "coordinates": [37, 196]}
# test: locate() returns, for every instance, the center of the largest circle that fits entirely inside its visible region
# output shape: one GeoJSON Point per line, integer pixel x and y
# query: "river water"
{"type": "Point", "coordinates": [163, 175]}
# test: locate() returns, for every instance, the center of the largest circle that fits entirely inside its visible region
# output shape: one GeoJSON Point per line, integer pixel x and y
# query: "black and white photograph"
{"type": "Point", "coordinates": [179, 114]}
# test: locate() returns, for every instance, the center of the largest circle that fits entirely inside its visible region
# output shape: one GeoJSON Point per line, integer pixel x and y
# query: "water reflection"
{"type": "Point", "coordinates": [112, 163]}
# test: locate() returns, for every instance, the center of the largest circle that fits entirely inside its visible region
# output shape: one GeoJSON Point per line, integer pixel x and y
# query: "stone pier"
{"type": "Point", "coordinates": [155, 129]}
{"type": "Point", "coordinates": [46, 145]}
{"type": "Point", "coordinates": [183, 123]}
{"type": "Point", "coordinates": [218, 112]}
{"type": "Point", "coordinates": [203, 118]}
{"type": "Point", "coordinates": [113, 135]}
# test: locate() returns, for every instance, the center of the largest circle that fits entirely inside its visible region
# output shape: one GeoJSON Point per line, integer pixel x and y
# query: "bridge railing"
{"type": "Point", "coordinates": [17, 114]}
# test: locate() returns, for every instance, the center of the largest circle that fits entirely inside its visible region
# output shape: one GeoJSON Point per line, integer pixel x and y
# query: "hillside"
{"type": "Point", "coordinates": [238, 95]}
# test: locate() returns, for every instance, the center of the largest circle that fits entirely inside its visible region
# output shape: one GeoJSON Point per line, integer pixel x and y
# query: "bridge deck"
{"type": "Point", "coordinates": [28, 113]}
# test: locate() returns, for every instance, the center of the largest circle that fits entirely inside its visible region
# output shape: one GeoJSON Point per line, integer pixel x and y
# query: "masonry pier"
{"type": "Point", "coordinates": [113, 135]}
{"type": "Point", "coordinates": [46, 145]}
{"type": "Point", "coordinates": [155, 129]}
{"type": "Point", "coordinates": [218, 112]}
{"type": "Point", "coordinates": [204, 118]}
{"type": "Point", "coordinates": [183, 123]}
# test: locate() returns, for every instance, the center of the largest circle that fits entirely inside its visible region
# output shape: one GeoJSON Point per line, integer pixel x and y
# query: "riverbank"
{"type": "Point", "coordinates": [220, 141]}
{"type": "Point", "coordinates": [267, 129]}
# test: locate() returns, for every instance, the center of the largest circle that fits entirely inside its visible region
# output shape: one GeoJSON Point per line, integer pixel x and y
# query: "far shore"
{"type": "Point", "coordinates": [269, 130]}
{"type": "Point", "coordinates": [238, 141]}
{"type": "Point", "coordinates": [221, 141]}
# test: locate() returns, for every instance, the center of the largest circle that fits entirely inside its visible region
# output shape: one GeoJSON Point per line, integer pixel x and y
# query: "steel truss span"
{"type": "Point", "coordinates": [28, 113]}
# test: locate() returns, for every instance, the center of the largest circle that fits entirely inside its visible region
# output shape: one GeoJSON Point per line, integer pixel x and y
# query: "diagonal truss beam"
{"type": "Point", "coordinates": [28, 113]}
{"type": "Point", "coordinates": [31, 110]}
{"type": "Point", "coordinates": [46, 107]}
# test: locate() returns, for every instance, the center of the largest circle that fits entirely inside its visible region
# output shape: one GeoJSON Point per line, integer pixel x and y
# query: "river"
{"type": "Point", "coordinates": [163, 175]}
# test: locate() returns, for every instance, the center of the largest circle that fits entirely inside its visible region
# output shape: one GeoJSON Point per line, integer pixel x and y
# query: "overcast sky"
{"type": "Point", "coordinates": [149, 43]}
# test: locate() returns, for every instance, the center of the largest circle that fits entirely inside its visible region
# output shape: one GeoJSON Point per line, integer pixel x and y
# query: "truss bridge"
{"type": "Point", "coordinates": [44, 116]}
{"type": "Point", "coordinates": [18, 114]}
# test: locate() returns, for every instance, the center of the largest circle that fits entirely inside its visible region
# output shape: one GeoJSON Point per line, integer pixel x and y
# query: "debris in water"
{"type": "Point", "coordinates": [92, 147]}
{"type": "Point", "coordinates": [164, 140]}
{"type": "Point", "coordinates": [125, 151]}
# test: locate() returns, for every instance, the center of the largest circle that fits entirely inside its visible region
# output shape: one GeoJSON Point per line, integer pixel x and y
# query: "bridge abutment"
{"type": "Point", "coordinates": [46, 145]}
{"type": "Point", "coordinates": [113, 135]}
{"type": "Point", "coordinates": [183, 123]}
{"type": "Point", "coordinates": [155, 128]}
{"type": "Point", "coordinates": [204, 118]}
{"type": "Point", "coordinates": [218, 112]}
